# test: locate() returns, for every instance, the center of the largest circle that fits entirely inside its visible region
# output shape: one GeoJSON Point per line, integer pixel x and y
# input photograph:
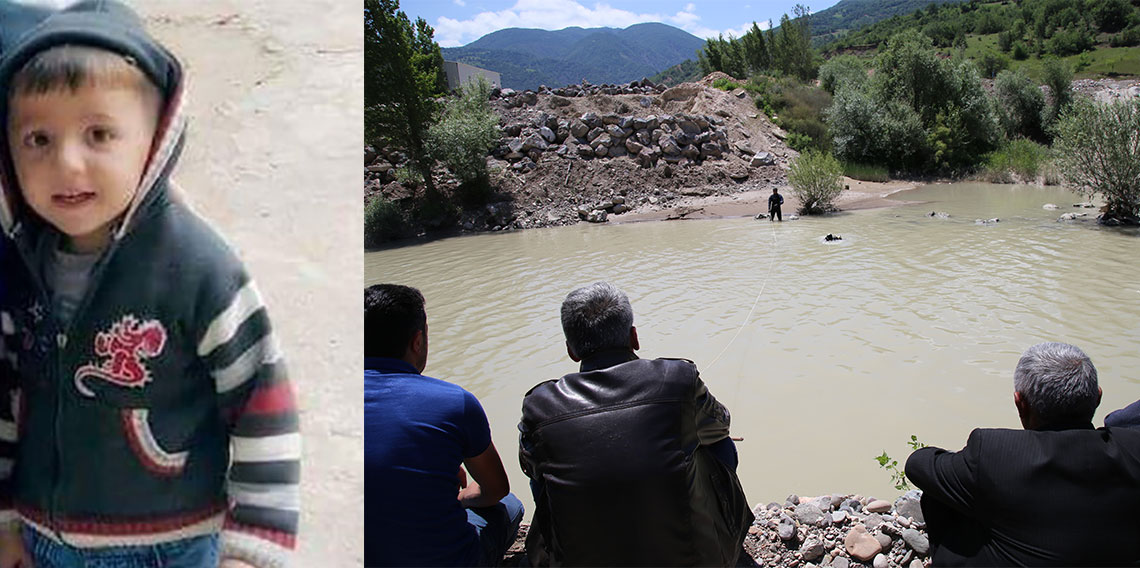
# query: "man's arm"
{"type": "Point", "coordinates": [949, 477]}
{"type": "Point", "coordinates": [1127, 417]}
{"type": "Point", "coordinates": [712, 417]}
{"type": "Point", "coordinates": [489, 479]}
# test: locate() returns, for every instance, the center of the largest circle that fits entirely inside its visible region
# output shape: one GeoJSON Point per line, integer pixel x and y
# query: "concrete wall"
{"type": "Point", "coordinates": [460, 73]}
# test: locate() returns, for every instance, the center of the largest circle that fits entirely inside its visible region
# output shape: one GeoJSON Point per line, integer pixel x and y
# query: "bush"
{"type": "Point", "coordinates": [842, 71]}
{"type": "Point", "coordinates": [1019, 51]}
{"type": "Point", "coordinates": [1060, 82]}
{"type": "Point", "coordinates": [466, 132]}
{"type": "Point", "coordinates": [383, 221]}
{"type": "Point", "coordinates": [1126, 38]}
{"type": "Point", "coordinates": [866, 172]}
{"type": "Point", "coordinates": [1098, 153]}
{"type": "Point", "coordinates": [866, 131]}
{"type": "Point", "coordinates": [992, 63]}
{"type": "Point", "coordinates": [816, 180]}
{"type": "Point", "coordinates": [1069, 42]}
{"type": "Point", "coordinates": [1019, 160]}
{"type": "Point", "coordinates": [1020, 105]}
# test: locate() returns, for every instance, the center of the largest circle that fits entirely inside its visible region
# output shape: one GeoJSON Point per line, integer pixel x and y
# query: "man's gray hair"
{"type": "Point", "coordinates": [1058, 381]}
{"type": "Point", "coordinates": [596, 317]}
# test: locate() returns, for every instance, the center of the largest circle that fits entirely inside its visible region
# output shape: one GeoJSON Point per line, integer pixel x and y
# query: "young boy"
{"type": "Point", "coordinates": [151, 421]}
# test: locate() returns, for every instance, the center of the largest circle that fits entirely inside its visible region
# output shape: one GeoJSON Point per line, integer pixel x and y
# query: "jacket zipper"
{"type": "Point", "coordinates": [63, 332]}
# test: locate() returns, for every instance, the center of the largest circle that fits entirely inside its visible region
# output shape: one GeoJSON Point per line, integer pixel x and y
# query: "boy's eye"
{"type": "Point", "coordinates": [36, 140]}
{"type": "Point", "coordinates": [101, 134]}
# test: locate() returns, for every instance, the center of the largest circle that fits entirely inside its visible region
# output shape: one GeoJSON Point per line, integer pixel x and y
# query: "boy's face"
{"type": "Point", "coordinates": [79, 156]}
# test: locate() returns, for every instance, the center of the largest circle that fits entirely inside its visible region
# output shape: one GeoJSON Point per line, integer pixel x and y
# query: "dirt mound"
{"type": "Point", "coordinates": [565, 157]}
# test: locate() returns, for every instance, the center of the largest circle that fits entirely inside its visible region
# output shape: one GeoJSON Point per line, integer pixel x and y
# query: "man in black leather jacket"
{"type": "Point", "coordinates": [629, 459]}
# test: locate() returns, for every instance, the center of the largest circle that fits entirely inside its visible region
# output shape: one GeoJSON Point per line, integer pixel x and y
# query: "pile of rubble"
{"type": "Point", "coordinates": [681, 140]}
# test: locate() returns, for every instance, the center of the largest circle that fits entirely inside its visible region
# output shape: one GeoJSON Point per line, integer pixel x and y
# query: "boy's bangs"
{"type": "Point", "coordinates": [72, 67]}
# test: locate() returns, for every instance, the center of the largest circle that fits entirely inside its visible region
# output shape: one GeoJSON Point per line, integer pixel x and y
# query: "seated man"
{"type": "Point", "coordinates": [419, 509]}
{"type": "Point", "coordinates": [1057, 493]}
{"type": "Point", "coordinates": [630, 459]}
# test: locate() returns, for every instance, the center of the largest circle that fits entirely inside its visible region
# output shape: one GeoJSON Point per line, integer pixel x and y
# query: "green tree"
{"type": "Point", "coordinates": [1098, 152]}
{"type": "Point", "coordinates": [468, 129]}
{"type": "Point", "coordinates": [791, 45]}
{"type": "Point", "coordinates": [755, 50]}
{"type": "Point", "coordinates": [817, 179]}
{"type": "Point", "coordinates": [1110, 15]}
{"type": "Point", "coordinates": [1059, 79]}
{"type": "Point", "coordinates": [1020, 105]}
{"type": "Point", "coordinates": [403, 72]}
{"type": "Point", "coordinates": [841, 72]}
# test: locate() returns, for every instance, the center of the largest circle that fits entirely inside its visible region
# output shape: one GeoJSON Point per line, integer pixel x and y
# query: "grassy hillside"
{"type": "Point", "coordinates": [527, 58]}
{"type": "Point", "coordinates": [1095, 37]}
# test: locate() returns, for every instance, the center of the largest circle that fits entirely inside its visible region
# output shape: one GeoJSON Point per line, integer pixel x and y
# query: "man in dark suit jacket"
{"type": "Point", "coordinates": [1058, 493]}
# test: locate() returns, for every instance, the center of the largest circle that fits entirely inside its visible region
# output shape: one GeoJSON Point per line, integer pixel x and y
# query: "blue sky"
{"type": "Point", "coordinates": [459, 22]}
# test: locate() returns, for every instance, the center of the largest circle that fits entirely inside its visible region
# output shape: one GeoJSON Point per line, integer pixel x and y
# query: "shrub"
{"type": "Point", "coordinates": [1020, 105]}
{"type": "Point", "coordinates": [1021, 159]}
{"type": "Point", "coordinates": [725, 84]}
{"type": "Point", "coordinates": [409, 176]}
{"type": "Point", "coordinates": [1098, 153]}
{"type": "Point", "coordinates": [816, 179]}
{"type": "Point", "coordinates": [1019, 51]}
{"type": "Point", "coordinates": [866, 172]}
{"type": "Point", "coordinates": [383, 221]}
{"type": "Point", "coordinates": [1060, 82]}
{"type": "Point", "coordinates": [992, 63]}
{"type": "Point", "coordinates": [1126, 38]}
{"type": "Point", "coordinates": [466, 132]}
{"type": "Point", "coordinates": [1069, 42]}
{"type": "Point", "coordinates": [798, 142]}
{"type": "Point", "coordinates": [840, 72]}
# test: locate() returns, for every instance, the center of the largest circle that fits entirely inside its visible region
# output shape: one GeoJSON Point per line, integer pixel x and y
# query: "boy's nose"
{"type": "Point", "coordinates": [70, 156]}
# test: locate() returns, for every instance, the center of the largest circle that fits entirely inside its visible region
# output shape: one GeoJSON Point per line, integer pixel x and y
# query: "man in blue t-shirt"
{"type": "Point", "coordinates": [419, 435]}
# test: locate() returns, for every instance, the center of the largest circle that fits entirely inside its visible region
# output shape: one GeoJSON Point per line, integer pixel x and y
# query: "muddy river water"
{"type": "Point", "coordinates": [826, 353]}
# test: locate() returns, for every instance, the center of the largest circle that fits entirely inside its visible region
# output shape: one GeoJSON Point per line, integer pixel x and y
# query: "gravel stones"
{"type": "Point", "coordinates": [910, 505]}
{"type": "Point", "coordinates": [786, 530]}
{"type": "Point", "coordinates": [884, 540]}
{"type": "Point", "coordinates": [860, 545]}
{"type": "Point", "coordinates": [879, 506]}
{"type": "Point", "coordinates": [840, 562]}
{"type": "Point", "coordinates": [880, 561]}
{"type": "Point", "coordinates": [808, 513]}
{"type": "Point", "coordinates": [916, 541]}
{"type": "Point", "coordinates": [812, 550]}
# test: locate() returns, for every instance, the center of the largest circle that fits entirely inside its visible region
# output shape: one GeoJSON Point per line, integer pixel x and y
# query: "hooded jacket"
{"type": "Point", "coordinates": [162, 410]}
{"type": "Point", "coordinates": [619, 453]}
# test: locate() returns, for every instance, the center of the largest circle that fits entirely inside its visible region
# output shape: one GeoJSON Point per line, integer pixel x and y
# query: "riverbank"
{"type": "Point", "coordinates": [748, 203]}
{"type": "Point", "coordinates": [836, 531]}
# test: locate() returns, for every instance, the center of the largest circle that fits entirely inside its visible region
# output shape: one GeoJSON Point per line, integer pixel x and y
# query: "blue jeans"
{"type": "Point", "coordinates": [196, 552]}
{"type": "Point", "coordinates": [496, 526]}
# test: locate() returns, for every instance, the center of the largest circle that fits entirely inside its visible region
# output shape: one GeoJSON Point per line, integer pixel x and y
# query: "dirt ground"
{"type": "Point", "coordinates": [276, 98]}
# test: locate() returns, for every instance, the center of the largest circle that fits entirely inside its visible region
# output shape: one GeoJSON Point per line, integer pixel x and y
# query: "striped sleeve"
{"type": "Point", "coordinates": [256, 398]}
{"type": "Point", "coordinates": [9, 403]}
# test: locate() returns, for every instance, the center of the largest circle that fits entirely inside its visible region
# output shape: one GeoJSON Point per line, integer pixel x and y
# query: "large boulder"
{"type": "Point", "coordinates": [534, 142]}
{"type": "Point", "coordinates": [669, 147]}
{"type": "Point", "coordinates": [765, 159]}
{"type": "Point", "coordinates": [682, 92]}
{"type": "Point", "coordinates": [579, 128]}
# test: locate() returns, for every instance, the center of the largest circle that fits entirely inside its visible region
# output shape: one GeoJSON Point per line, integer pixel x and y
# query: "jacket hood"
{"type": "Point", "coordinates": [112, 26]}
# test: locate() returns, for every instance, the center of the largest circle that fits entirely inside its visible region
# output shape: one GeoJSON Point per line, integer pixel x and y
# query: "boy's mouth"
{"type": "Point", "coordinates": [72, 199]}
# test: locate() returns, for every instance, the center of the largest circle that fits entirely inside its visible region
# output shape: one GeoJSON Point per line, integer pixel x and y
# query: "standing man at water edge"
{"type": "Point", "coordinates": [1058, 493]}
{"type": "Point", "coordinates": [630, 459]}
{"type": "Point", "coordinates": [419, 434]}
{"type": "Point", "coordinates": [774, 202]}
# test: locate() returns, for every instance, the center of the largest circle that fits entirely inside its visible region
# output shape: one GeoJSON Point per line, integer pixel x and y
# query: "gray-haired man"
{"type": "Point", "coordinates": [1056, 493]}
{"type": "Point", "coordinates": [630, 459]}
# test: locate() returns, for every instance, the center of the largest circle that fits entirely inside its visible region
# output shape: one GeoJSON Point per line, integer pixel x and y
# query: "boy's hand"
{"type": "Point", "coordinates": [12, 551]}
{"type": "Point", "coordinates": [226, 563]}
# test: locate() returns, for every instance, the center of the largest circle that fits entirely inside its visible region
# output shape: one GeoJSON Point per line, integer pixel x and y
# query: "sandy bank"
{"type": "Point", "coordinates": [860, 195]}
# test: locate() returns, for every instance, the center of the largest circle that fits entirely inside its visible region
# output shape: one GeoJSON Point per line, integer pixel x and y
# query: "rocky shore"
{"type": "Point", "coordinates": [836, 531]}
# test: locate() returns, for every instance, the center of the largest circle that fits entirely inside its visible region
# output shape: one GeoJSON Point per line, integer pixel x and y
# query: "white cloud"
{"type": "Point", "coordinates": [558, 14]}
{"type": "Point", "coordinates": [460, 3]}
